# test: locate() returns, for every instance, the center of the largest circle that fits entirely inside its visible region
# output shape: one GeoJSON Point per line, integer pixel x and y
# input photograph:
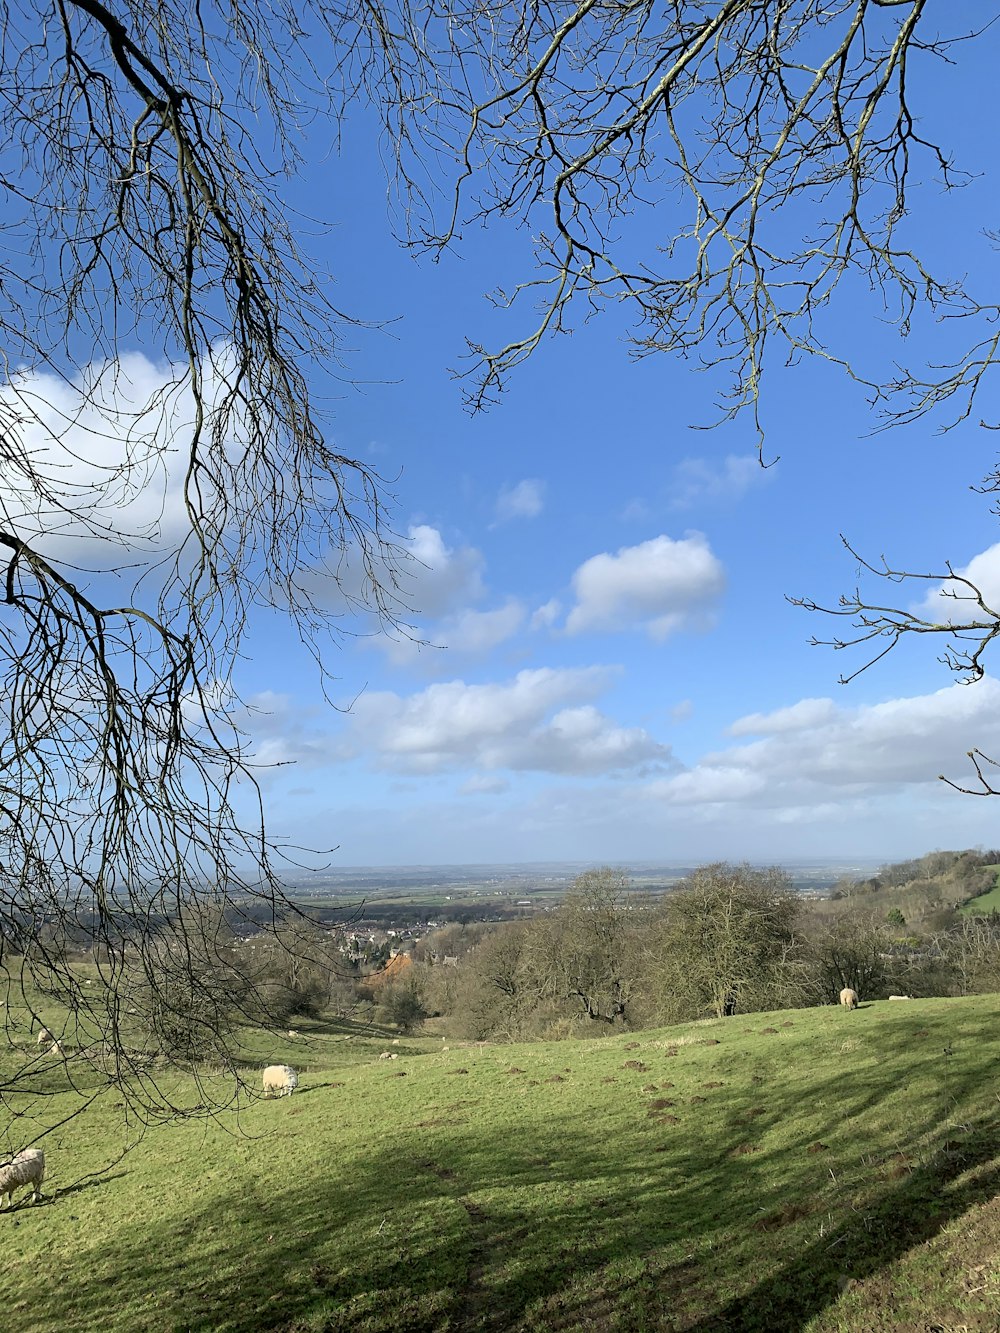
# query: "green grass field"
{"type": "Point", "coordinates": [986, 902]}
{"type": "Point", "coordinates": [811, 1169]}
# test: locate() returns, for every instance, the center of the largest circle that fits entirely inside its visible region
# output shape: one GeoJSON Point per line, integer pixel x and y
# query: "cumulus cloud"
{"type": "Point", "coordinates": [814, 750]}
{"type": "Point", "coordinates": [282, 732]}
{"type": "Point", "coordinates": [106, 448]}
{"type": "Point", "coordinates": [546, 615]}
{"type": "Point", "coordinates": [473, 633]}
{"type": "Point", "coordinates": [707, 785]}
{"type": "Point", "coordinates": [525, 500]}
{"type": "Point", "coordinates": [952, 602]}
{"type": "Point", "coordinates": [660, 586]}
{"type": "Point", "coordinates": [435, 578]}
{"type": "Point", "coordinates": [806, 713]}
{"type": "Point", "coordinates": [542, 720]}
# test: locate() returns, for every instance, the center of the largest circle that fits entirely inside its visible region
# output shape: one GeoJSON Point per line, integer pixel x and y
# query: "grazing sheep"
{"type": "Point", "coordinates": [281, 1080]}
{"type": "Point", "coordinates": [900, 997]}
{"type": "Point", "coordinates": [292, 1033]}
{"type": "Point", "coordinates": [24, 1168]}
{"type": "Point", "coordinates": [43, 1035]}
{"type": "Point", "coordinates": [57, 1048]}
{"type": "Point", "coordinates": [849, 998]}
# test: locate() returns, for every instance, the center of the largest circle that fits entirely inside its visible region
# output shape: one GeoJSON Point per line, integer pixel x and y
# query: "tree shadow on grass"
{"type": "Point", "coordinates": [543, 1221]}
{"type": "Point", "coordinates": [81, 1185]}
{"type": "Point", "coordinates": [924, 1202]}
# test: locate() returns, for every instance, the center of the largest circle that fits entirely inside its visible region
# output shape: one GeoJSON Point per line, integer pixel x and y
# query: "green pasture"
{"type": "Point", "coordinates": [810, 1169]}
{"type": "Point", "coordinates": [986, 902]}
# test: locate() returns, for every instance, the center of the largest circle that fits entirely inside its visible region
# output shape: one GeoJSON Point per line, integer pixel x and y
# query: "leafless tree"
{"type": "Point", "coordinates": [150, 505]}
{"type": "Point", "coordinates": [145, 147]}
{"type": "Point", "coordinates": [777, 140]}
{"type": "Point", "coordinates": [774, 150]}
{"type": "Point", "coordinates": [725, 941]}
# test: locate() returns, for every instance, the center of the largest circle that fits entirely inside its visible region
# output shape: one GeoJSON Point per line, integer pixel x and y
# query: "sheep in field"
{"type": "Point", "coordinates": [900, 997]}
{"type": "Point", "coordinates": [43, 1035]}
{"type": "Point", "coordinates": [280, 1080]}
{"type": "Point", "coordinates": [849, 998]}
{"type": "Point", "coordinates": [24, 1168]}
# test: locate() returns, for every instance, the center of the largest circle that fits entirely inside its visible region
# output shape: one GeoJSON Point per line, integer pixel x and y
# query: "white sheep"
{"type": "Point", "coordinates": [43, 1035]}
{"type": "Point", "coordinates": [25, 1168]}
{"type": "Point", "coordinates": [849, 998]}
{"type": "Point", "coordinates": [57, 1048]}
{"type": "Point", "coordinates": [281, 1080]}
{"type": "Point", "coordinates": [900, 997]}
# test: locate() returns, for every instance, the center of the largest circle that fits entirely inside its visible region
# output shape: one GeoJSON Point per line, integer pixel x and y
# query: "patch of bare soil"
{"type": "Point", "coordinates": [783, 1217]}
{"type": "Point", "coordinates": [442, 1172]}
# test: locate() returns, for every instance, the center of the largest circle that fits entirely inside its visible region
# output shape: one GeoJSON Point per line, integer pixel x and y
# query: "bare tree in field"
{"type": "Point", "coordinates": [151, 504]}
{"type": "Point", "coordinates": [165, 475]}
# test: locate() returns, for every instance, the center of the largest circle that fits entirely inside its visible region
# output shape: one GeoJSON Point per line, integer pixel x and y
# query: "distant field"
{"type": "Point", "coordinates": [986, 902]}
{"type": "Point", "coordinates": [805, 1170]}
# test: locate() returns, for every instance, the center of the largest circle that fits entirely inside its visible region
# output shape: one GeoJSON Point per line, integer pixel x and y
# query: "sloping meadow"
{"type": "Point", "coordinates": [805, 1169]}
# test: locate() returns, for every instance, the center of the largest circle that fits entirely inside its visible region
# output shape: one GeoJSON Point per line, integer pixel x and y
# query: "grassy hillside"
{"type": "Point", "coordinates": [812, 1169]}
{"type": "Point", "coordinates": [985, 902]}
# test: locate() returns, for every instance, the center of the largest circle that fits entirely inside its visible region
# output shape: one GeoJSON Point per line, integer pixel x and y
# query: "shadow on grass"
{"type": "Point", "coordinates": [81, 1185]}
{"type": "Point", "coordinates": [561, 1225]}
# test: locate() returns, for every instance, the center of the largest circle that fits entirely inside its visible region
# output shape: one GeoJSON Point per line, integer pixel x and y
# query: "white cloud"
{"type": "Point", "coordinates": [952, 602]}
{"type": "Point", "coordinates": [806, 713]}
{"type": "Point", "coordinates": [282, 732]}
{"type": "Point", "coordinates": [546, 615]}
{"type": "Point", "coordinates": [699, 479]}
{"type": "Point", "coordinates": [525, 500]}
{"type": "Point", "coordinates": [701, 786]}
{"type": "Point", "coordinates": [484, 786]}
{"type": "Point", "coordinates": [109, 447]}
{"type": "Point", "coordinates": [436, 579]}
{"type": "Point", "coordinates": [814, 751]}
{"type": "Point", "coordinates": [540, 721]}
{"type": "Point", "coordinates": [473, 633]}
{"type": "Point", "coordinates": [661, 586]}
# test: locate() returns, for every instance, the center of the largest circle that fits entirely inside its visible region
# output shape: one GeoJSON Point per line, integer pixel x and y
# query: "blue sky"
{"type": "Point", "coordinates": [611, 671]}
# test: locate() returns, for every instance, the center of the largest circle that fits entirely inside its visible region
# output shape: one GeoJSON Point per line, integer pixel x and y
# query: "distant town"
{"type": "Point", "coordinates": [385, 910]}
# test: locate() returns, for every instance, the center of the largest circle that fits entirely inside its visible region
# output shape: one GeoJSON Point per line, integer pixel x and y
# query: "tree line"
{"type": "Point", "coordinates": [730, 939]}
